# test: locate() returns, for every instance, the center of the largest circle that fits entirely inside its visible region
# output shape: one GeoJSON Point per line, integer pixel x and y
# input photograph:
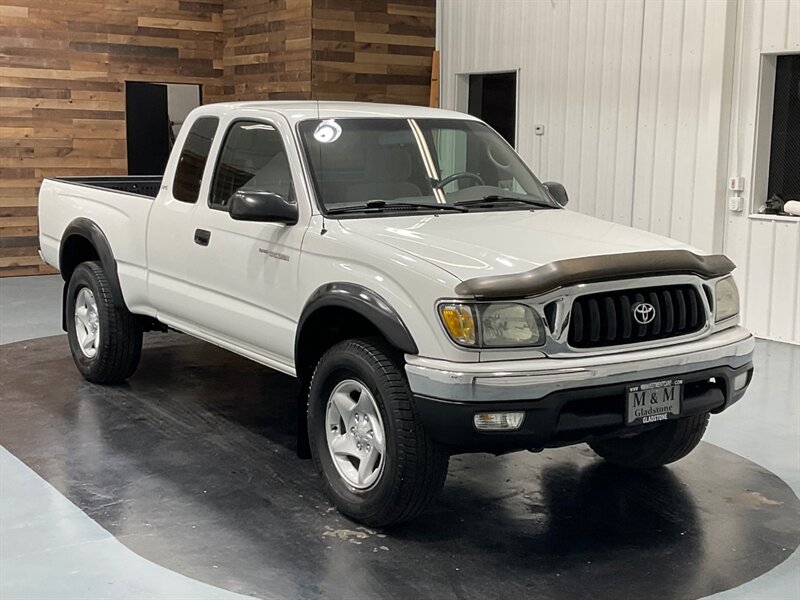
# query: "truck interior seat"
{"type": "Point", "coordinates": [386, 177]}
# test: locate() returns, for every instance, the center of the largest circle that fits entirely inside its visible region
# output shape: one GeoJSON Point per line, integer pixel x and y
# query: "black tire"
{"type": "Point", "coordinates": [119, 345]}
{"type": "Point", "coordinates": [666, 443]}
{"type": "Point", "coordinates": [415, 466]}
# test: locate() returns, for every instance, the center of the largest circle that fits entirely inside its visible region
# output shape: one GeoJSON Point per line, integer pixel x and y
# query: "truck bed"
{"type": "Point", "coordinates": [119, 207]}
{"type": "Point", "coordinates": [140, 185]}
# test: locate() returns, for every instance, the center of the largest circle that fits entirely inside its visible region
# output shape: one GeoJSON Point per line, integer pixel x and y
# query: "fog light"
{"type": "Point", "coordinates": [740, 381]}
{"type": "Point", "coordinates": [500, 421]}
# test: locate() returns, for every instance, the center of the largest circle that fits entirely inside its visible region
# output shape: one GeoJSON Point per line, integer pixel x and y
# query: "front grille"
{"type": "Point", "coordinates": [607, 318]}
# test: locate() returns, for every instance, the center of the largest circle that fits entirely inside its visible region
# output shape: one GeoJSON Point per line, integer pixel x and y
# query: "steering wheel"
{"type": "Point", "coordinates": [463, 175]}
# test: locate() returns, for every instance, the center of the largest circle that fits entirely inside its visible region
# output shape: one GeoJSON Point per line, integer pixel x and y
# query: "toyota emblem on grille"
{"type": "Point", "coordinates": [644, 313]}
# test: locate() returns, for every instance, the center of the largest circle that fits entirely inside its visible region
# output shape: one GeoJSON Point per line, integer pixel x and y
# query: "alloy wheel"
{"type": "Point", "coordinates": [355, 434]}
{"type": "Point", "coordinates": [87, 322]}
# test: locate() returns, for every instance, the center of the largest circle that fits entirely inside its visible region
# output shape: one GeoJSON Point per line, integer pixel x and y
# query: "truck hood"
{"type": "Point", "coordinates": [471, 245]}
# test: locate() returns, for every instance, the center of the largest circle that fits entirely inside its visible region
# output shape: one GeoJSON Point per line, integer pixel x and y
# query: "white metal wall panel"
{"type": "Point", "coordinates": [683, 97]}
{"type": "Point", "coordinates": [636, 100]}
{"type": "Point", "coordinates": [629, 93]}
{"type": "Point", "coordinates": [585, 93]}
{"type": "Point", "coordinates": [766, 250]}
{"type": "Point", "coordinates": [626, 122]}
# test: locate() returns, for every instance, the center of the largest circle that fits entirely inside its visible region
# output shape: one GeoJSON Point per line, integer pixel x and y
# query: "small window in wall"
{"type": "Point", "coordinates": [784, 157]}
{"type": "Point", "coordinates": [253, 158]}
{"type": "Point", "coordinates": [493, 99]}
{"type": "Point", "coordinates": [154, 113]}
{"type": "Point", "coordinates": [192, 162]}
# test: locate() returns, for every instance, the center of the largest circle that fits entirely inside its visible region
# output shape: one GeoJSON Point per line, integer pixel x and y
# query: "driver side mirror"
{"type": "Point", "coordinates": [262, 206]}
{"type": "Point", "coordinates": [557, 191]}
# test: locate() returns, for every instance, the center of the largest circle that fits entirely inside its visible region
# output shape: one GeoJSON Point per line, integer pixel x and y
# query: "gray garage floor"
{"type": "Point", "coordinates": [50, 548]}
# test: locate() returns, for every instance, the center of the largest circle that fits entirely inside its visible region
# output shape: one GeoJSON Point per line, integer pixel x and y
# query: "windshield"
{"type": "Point", "coordinates": [382, 165]}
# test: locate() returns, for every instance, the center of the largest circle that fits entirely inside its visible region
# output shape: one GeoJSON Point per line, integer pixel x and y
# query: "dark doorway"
{"type": "Point", "coordinates": [148, 128]}
{"type": "Point", "coordinates": [154, 113]}
{"type": "Point", "coordinates": [493, 98]}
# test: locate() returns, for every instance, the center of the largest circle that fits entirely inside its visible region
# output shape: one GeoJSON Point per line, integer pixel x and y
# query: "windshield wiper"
{"type": "Point", "coordinates": [379, 205]}
{"type": "Point", "coordinates": [497, 199]}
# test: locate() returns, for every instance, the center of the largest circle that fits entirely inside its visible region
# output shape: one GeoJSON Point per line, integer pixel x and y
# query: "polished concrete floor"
{"type": "Point", "coordinates": [179, 484]}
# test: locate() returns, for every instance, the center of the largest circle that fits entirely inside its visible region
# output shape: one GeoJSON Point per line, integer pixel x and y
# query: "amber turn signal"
{"type": "Point", "coordinates": [459, 321]}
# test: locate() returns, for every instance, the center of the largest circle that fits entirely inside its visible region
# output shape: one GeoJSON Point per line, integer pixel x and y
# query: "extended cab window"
{"type": "Point", "coordinates": [192, 162]}
{"type": "Point", "coordinates": [253, 158]}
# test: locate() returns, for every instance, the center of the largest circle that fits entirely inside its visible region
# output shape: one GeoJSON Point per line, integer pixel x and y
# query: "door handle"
{"type": "Point", "coordinates": [202, 237]}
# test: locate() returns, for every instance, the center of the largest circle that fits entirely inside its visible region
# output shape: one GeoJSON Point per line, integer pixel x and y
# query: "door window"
{"type": "Point", "coordinates": [253, 157]}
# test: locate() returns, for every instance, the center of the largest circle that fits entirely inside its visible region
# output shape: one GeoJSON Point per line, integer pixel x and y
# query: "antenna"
{"type": "Point", "coordinates": [324, 229]}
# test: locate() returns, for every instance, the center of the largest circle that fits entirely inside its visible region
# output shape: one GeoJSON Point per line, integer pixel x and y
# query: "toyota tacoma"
{"type": "Point", "coordinates": [432, 296]}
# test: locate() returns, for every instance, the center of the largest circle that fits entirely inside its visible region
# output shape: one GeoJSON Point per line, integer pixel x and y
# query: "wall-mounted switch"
{"type": "Point", "coordinates": [736, 184]}
{"type": "Point", "coordinates": [735, 204]}
{"type": "Point", "coordinates": [538, 129]}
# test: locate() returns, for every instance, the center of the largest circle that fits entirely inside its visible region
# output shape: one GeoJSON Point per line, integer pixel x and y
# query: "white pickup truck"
{"type": "Point", "coordinates": [432, 296]}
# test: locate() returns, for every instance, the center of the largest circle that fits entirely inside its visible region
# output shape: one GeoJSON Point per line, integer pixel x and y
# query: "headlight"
{"type": "Point", "coordinates": [726, 299]}
{"type": "Point", "coordinates": [499, 325]}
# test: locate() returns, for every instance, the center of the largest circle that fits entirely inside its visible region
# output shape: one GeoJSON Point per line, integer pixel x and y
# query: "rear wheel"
{"type": "Point", "coordinates": [378, 464]}
{"type": "Point", "coordinates": [105, 340]}
{"type": "Point", "coordinates": [666, 443]}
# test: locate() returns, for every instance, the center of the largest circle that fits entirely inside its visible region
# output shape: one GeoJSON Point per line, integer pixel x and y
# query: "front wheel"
{"type": "Point", "coordinates": [666, 443]}
{"type": "Point", "coordinates": [105, 340]}
{"type": "Point", "coordinates": [378, 464]}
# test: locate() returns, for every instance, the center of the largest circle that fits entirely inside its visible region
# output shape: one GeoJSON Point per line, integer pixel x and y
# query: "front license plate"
{"type": "Point", "coordinates": [653, 401]}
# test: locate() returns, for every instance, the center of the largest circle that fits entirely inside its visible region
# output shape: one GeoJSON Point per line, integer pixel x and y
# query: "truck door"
{"type": "Point", "coordinates": [245, 273]}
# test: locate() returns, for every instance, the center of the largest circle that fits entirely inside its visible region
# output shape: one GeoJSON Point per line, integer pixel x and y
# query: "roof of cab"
{"type": "Point", "coordinates": [299, 110]}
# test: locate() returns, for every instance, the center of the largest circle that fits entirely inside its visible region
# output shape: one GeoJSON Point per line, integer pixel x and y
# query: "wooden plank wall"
{"type": "Point", "coordinates": [63, 67]}
{"type": "Point", "coordinates": [373, 50]}
{"type": "Point", "coordinates": [267, 52]}
{"type": "Point", "coordinates": [62, 94]}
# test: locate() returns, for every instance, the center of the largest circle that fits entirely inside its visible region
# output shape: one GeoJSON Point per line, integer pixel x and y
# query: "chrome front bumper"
{"type": "Point", "coordinates": [536, 378]}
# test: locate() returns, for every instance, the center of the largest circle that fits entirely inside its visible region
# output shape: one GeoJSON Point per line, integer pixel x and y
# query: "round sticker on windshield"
{"type": "Point", "coordinates": [327, 131]}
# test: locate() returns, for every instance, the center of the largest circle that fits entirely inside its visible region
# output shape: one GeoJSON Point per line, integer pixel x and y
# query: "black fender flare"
{"type": "Point", "coordinates": [365, 302]}
{"type": "Point", "coordinates": [90, 231]}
